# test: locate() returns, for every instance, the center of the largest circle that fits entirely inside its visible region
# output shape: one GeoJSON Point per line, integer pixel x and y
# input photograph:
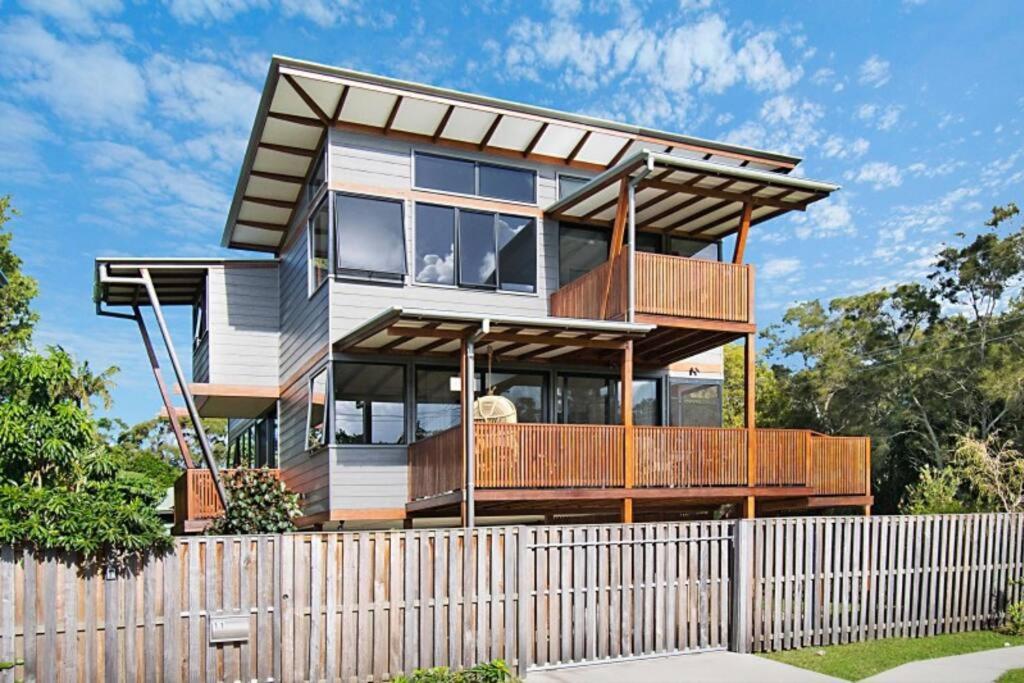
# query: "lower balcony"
{"type": "Point", "coordinates": [196, 503]}
{"type": "Point", "coordinates": [549, 468]}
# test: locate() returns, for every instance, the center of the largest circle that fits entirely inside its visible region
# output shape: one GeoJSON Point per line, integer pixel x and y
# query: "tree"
{"type": "Point", "coordinates": [771, 401]}
{"type": "Point", "coordinates": [16, 317]}
{"type": "Point", "coordinates": [994, 469]}
{"type": "Point", "coordinates": [914, 366]}
{"type": "Point", "coordinates": [936, 492]}
{"type": "Point", "coordinates": [61, 486]}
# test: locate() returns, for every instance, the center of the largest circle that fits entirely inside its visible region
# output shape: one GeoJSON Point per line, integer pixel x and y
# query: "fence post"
{"type": "Point", "coordinates": [524, 585]}
{"type": "Point", "coordinates": [7, 563]}
{"type": "Point", "coordinates": [742, 582]}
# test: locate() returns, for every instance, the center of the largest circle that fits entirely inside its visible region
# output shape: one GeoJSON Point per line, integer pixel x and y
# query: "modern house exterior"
{"type": "Point", "coordinates": [406, 250]}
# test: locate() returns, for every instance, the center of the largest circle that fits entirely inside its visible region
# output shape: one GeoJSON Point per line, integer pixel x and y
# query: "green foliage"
{"type": "Point", "coordinates": [916, 366]}
{"type": "Point", "coordinates": [772, 402]}
{"type": "Point", "coordinates": [258, 503]}
{"type": "Point", "coordinates": [491, 672]}
{"type": "Point", "coordinates": [61, 487]}
{"type": "Point", "coordinates": [934, 493]}
{"type": "Point", "coordinates": [16, 317]}
{"type": "Point", "coordinates": [994, 469]}
{"type": "Point", "coordinates": [1015, 619]}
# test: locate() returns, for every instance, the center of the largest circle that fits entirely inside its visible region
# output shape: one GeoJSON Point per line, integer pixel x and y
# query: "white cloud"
{"type": "Point", "coordinates": [75, 16]}
{"type": "Point", "coordinates": [23, 131]}
{"type": "Point", "coordinates": [784, 124]}
{"type": "Point", "coordinates": [825, 218]}
{"type": "Point", "coordinates": [202, 11]}
{"type": "Point", "coordinates": [879, 174]}
{"type": "Point", "coordinates": [87, 84]}
{"type": "Point", "coordinates": [881, 117]}
{"type": "Point", "coordinates": [837, 147]}
{"type": "Point", "coordinates": [779, 268]}
{"type": "Point", "coordinates": [874, 72]}
{"type": "Point", "coordinates": [201, 92]}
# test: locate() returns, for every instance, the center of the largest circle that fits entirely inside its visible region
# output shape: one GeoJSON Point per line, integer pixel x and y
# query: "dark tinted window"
{"type": "Point", "coordinates": [525, 389]}
{"type": "Point", "coordinates": [318, 178]}
{"type": "Point", "coordinates": [318, 241]}
{"type": "Point", "coordinates": [437, 406]}
{"type": "Point", "coordinates": [648, 242]}
{"type": "Point", "coordinates": [695, 404]}
{"type": "Point", "coordinates": [568, 184]}
{"type": "Point", "coordinates": [646, 406]}
{"type": "Point", "coordinates": [507, 183]}
{"type": "Point", "coordinates": [435, 244]}
{"type": "Point", "coordinates": [371, 235]}
{"type": "Point", "coordinates": [517, 254]}
{"type": "Point", "coordinates": [369, 403]}
{"type": "Point", "coordinates": [580, 250]}
{"type": "Point", "coordinates": [477, 257]}
{"type": "Point", "coordinates": [679, 246]}
{"type": "Point", "coordinates": [316, 413]}
{"type": "Point", "coordinates": [586, 400]}
{"type": "Point", "coordinates": [444, 173]}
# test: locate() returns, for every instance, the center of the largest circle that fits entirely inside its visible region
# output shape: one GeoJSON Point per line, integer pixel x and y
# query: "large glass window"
{"type": "Point", "coordinates": [694, 404]}
{"type": "Point", "coordinates": [445, 173]}
{"type": "Point", "coordinates": [526, 390]}
{"type": "Point", "coordinates": [254, 444]}
{"type": "Point", "coordinates": [369, 403]}
{"type": "Point", "coordinates": [477, 254]}
{"type": "Point", "coordinates": [580, 250]}
{"type": "Point", "coordinates": [435, 244]}
{"type": "Point", "coordinates": [681, 246]}
{"type": "Point", "coordinates": [503, 182]}
{"type": "Point", "coordinates": [475, 178]}
{"type": "Point", "coordinates": [567, 184]}
{"type": "Point", "coordinates": [596, 400]}
{"type": "Point", "coordinates": [370, 236]}
{"type": "Point", "coordinates": [497, 251]}
{"type": "Point", "coordinates": [437, 403]}
{"type": "Point", "coordinates": [648, 242]}
{"type": "Point", "coordinates": [316, 414]}
{"type": "Point", "coordinates": [318, 236]}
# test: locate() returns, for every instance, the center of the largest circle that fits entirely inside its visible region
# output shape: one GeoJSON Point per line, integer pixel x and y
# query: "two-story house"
{"type": "Point", "coordinates": [431, 248]}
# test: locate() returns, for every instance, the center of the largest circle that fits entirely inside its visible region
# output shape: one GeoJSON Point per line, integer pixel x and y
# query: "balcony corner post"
{"type": "Point", "coordinates": [627, 422]}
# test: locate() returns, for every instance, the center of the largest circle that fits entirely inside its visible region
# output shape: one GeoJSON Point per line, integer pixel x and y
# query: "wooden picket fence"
{"type": "Point", "coordinates": [828, 580]}
{"type": "Point", "coordinates": [366, 606]}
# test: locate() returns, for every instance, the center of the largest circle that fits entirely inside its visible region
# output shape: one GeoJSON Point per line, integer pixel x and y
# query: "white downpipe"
{"type": "Point", "coordinates": [470, 389]}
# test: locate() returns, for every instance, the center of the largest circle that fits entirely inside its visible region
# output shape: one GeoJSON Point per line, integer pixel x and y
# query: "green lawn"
{"type": "Point", "coordinates": [1012, 676]}
{"type": "Point", "coordinates": [860, 660]}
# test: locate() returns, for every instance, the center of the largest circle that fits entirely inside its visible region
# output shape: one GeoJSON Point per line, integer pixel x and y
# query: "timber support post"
{"type": "Point", "coordinates": [750, 418]}
{"type": "Point", "coordinates": [627, 432]}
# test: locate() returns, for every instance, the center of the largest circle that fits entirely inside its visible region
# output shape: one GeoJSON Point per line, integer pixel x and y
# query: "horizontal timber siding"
{"type": "Point", "coordinates": [244, 337]}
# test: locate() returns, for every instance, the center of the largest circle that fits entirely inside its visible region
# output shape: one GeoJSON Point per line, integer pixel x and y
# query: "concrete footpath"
{"type": "Point", "coordinates": [713, 667]}
{"type": "Point", "coordinates": [977, 667]}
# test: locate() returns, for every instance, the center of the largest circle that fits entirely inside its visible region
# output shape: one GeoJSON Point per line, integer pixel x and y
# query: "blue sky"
{"type": "Point", "coordinates": [124, 122]}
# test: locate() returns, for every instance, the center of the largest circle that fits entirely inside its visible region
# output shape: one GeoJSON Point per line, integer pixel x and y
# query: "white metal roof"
{"type": "Point", "coordinates": [689, 197]}
{"type": "Point", "coordinates": [301, 100]}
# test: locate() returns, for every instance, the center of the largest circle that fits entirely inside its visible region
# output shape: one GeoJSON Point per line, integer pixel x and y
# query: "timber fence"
{"type": "Point", "coordinates": [366, 606]}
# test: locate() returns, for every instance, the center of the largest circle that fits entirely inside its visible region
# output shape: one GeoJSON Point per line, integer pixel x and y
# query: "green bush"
{"type": "Point", "coordinates": [491, 672]}
{"type": "Point", "coordinates": [934, 493]}
{"type": "Point", "coordinates": [258, 503]}
{"type": "Point", "coordinates": [1015, 619]}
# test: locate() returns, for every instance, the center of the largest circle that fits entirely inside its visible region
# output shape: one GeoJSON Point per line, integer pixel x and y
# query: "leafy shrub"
{"type": "Point", "coordinates": [1015, 619]}
{"type": "Point", "coordinates": [934, 493]}
{"type": "Point", "coordinates": [258, 503]}
{"type": "Point", "coordinates": [491, 672]}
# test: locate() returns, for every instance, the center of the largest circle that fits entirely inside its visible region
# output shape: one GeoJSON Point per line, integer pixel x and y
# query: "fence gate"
{"type": "Point", "coordinates": [623, 591]}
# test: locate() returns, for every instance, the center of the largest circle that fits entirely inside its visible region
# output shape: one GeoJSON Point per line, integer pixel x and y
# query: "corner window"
{"type": "Point", "coordinates": [318, 178]}
{"type": "Point", "coordinates": [486, 250]}
{"type": "Point", "coordinates": [694, 404]}
{"type": "Point", "coordinates": [254, 443]}
{"type": "Point", "coordinates": [200, 322]}
{"type": "Point", "coordinates": [316, 414]}
{"type": "Point", "coordinates": [709, 251]}
{"type": "Point", "coordinates": [580, 250]}
{"type": "Point", "coordinates": [318, 237]}
{"type": "Point", "coordinates": [464, 176]}
{"type": "Point", "coordinates": [567, 184]}
{"type": "Point", "coordinates": [370, 236]}
{"type": "Point", "coordinates": [369, 403]}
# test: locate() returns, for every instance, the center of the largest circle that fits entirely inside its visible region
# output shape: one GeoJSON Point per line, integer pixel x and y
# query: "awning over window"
{"type": "Point", "coordinates": [689, 197]}
{"type": "Point", "coordinates": [431, 334]}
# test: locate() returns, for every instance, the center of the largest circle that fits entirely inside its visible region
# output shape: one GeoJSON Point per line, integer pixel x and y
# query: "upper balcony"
{"type": "Point", "coordinates": [666, 286]}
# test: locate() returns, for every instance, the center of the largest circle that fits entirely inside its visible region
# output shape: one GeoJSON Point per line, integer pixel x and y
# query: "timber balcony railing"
{"type": "Point", "coordinates": [665, 285]}
{"type": "Point", "coordinates": [530, 456]}
{"type": "Point", "coordinates": [195, 496]}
